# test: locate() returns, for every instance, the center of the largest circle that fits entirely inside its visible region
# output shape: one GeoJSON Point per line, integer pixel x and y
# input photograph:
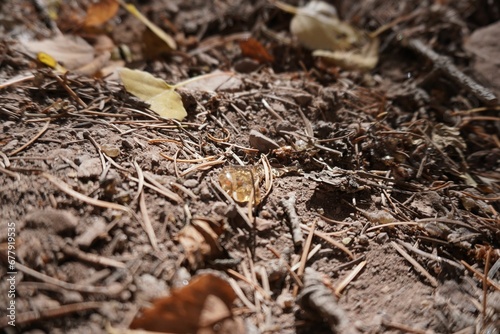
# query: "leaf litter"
{"type": "Point", "coordinates": [393, 190]}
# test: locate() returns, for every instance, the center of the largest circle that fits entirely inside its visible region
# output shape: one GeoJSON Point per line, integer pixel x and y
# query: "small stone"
{"type": "Point", "coordinates": [246, 65]}
{"type": "Point", "coordinates": [382, 238]}
{"type": "Point", "coordinates": [96, 228]}
{"type": "Point", "coordinates": [90, 168]}
{"type": "Point", "coordinates": [363, 240]}
{"type": "Point", "coordinates": [261, 142]}
{"type": "Point", "coordinates": [191, 183]}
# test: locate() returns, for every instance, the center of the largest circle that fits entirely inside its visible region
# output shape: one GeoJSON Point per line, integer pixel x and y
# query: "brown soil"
{"type": "Point", "coordinates": [399, 145]}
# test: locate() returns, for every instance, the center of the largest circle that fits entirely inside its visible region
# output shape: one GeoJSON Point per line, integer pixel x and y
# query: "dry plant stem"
{"type": "Point", "coordinates": [415, 264]}
{"type": "Point", "coordinates": [92, 201]}
{"type": "Point", "coordinates": [231, 200]}
{"type": "Point", "coordinates": [148, 227]}
{"type": "Point", "coordinates": [303, 259]}
{"type": "Point", "coordinates": [292, 273]}
{"type": "Point", "coordinates": [445, 65]}
{"type": "Point", "coordinates": [92, 258]}
{"type": "Point", "coordinates": [241, 294]}
{"type": "Point", "coordinates": [485, 284]}
{"type": "Point", "coordinates": [71, 93]}
{"type": "Point", "coordinates": [140, 177]}
{"type": "Point", "coordinates": [309, 256]}
{"type": "Point", "coordinates": [31, 316]}
{"type": "Point", "coordinates": [112, 291]}
{"type": "Point", "coordinates": [330, 240]}
{"type": "Point", "coordinates": [32, 140]}
{"type": "Point", "coordinates": [249, 282]}
{"type": "Point", "coordinates": [163, 190]}
{"type": "Point", "coordinates": [404, 328]}
{"type": "Point", "coordinates": [349, 278]}
{"type": "Point", "coordinates": [11, 174]}
{"type": "Point", "coordinates": [288, 203]}
{"type": "Point", "coordinates": [430, 256]}
{"type": "Point", "coordinates": [271, 111]}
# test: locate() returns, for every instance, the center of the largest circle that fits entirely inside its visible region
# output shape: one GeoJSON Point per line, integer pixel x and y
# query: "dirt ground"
{"type": "Point", "coordinates": [380, 214]}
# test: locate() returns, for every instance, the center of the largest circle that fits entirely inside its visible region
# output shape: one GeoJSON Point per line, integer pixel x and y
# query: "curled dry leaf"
{"type": "Point", "coordinates": [203, 306]}
{"type": "Point", "coordinates": [318, 28]}
{"type": "Point", "coordinates": [254, 49]}
{"type": "Point", "coordinates": [200, 240]}
{"type": "Point", "coordinates": [162, 97]}
{"type": "Point", "coordinates": [100, 12]}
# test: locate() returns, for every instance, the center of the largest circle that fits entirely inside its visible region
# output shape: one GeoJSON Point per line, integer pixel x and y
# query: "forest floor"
{"type": "Point", "coordinates": [296, 196]}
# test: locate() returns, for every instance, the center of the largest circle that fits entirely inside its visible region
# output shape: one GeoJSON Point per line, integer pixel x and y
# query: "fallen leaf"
{"type": "Point", "coordinates": [162, 97]}
{"type": "Point", "coordinates": [100, 12]}
{"type": "Point", "coordinates": [200, 240]}
{"type": "Point", "coordinates": [211, 82]}
{"type": "Point", "coordinates": [252, 48]}
{"type": "Point", "coordinates": [48, 60]}
{"type": "Point", "coordinates": [153, 27]}
{"type": "Point", "coordinates": [203, 306]}
{"type": "Point", "coordinates": [70, 51]}
{"type": "Point", "coordinates": [317, 27]}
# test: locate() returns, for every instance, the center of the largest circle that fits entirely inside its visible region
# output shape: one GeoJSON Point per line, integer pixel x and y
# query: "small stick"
{"type": "Point", "coordinates": [31, 316]}
{"type": "Point", "coordinates": [249, 282]}
{"type": "Point", "coordinates": [32, 140]}
{"type": "Point", "coordinates": [292, 273]}
{"type": "Point", "coordinates": [165, 191]}
{"type": "Point", "coordinates": [444, 64]}
{"type": "Point", "coordinates": [303, 259]}
{"type": "Point", "coordinates": [111, 291]}
{"type": "Point", "coordinates": [349, 278]}
{"type": "Point", "coordinates": [331, 241]}
{"type": "Point", "coordinates": [415, 264]}
{"type": "Point", "coordinates": [70, 91]}
{"type": "Point", "coordinates": [429, 256]}
{"type": "Point", "coordinates": [289, 205]}
{"type": "Point", "coordinates": [92, 258]}
{"type": "Point", "coordinates": [140, 177]}
{"type": "Point", "coordinates": [272, 111]}
{"type": "Point", "coordinates": [148, 227]}
{"type": "Point", "coordinates": [11, 174]}
{"type": "Point", "coordinates": [231, 200]}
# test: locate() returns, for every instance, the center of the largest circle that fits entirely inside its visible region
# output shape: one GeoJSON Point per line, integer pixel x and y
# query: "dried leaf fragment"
{"type": "Point", "coordinates": [100, 12]}
{"type": "Point", "coordinates": [318, 28]}
{"type": "Point", "coordinates": [162, 97]}
{"type": "Point", "coordinates": [200, 240]}
{"type": "Point", "coordinates": [203, 306]}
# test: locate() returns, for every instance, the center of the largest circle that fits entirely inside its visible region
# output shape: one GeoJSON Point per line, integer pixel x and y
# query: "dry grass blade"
{"type": "Point", "coordinates": [415, 264]}
{"type": "Point", "coordinates": [157, 186]}
{"type": "Point", "coordinates": [268, 176]}
{"type": "Point", "coordinates": [303, 259]}
{"type": "Point", "coordinates": [203, 166]}
{"type": "Point", "coordinates": [349, 278]}
{"type": "Point", "coordinates": [140, 177]}
{"type": "Point", "coordinates": [92, 201]}
{"type": "Point", "coordinates": [32, 140]}
{"type": "Point", "coordinates": [92, 258]}
{"type": "Point", "coordinates": [331, 241]}
{"type": "Point", "coordinates": [249, 282]}
{"type": "Point", "coordinates": [480, 275]}
{"type": "Point", "coordinates": [43, 314]}
{"type": "Point", "coordinates": [148, 227]}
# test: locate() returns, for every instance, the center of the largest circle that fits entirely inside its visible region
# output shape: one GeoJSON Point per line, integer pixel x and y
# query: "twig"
{"type": "Point", "coordinates": [272, 111]}
{"type": "Point", "coordinates": [110, 291]}
{"type": "Point", "coordinates": [292, 273]}
{"type": "Point", "coordinates": [429, 256]}
{"type": "Point", "coordinates": [231, 200]}
{"type": "Point", "coordinates": [288, 203]}
{"type": "Point", "coordinates": [341, 286]}
{"type": "Point", "coordinates": [31, 316]}
{"type": "Point", "coordinates": [415, 264]}
{"type": "Point", "coordinates": [330, 240]}
{"type": "Point", "coordinates": [92, 201]}
{"type": "Point", "coordinates": [32, 140]}
{"type": "Point", "coordinates": [140, 177]}
{"type": "Point", "coordinates": [10, 173]}
{"type": "Point", "coordinates": [148, 227]}
{"type": "Point", "coordinates": [303, 258]}
{"type": "Point", "coordinates": [157, 186]}
{"type": "Point", "coordinates": [92, 258]}
{"type": "Point", "coordinates": [445, 65]}
{"type": "Point", "coordinates": [70, 91]}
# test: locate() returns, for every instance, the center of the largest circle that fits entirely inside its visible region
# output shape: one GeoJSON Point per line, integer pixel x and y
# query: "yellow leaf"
{"type": "Point", "coordinates": [49, 61]}
{"type": "Point", "coordinates": [153, 27]}
{"type": "Point", "coordinates": [162, 97]}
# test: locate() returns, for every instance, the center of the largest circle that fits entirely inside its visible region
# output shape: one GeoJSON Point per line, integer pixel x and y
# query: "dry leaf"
{"type": "Point", "coordinates": [211, 82]}
{"type": "Point", "coordinates": [203, 306]}
{"type": "Point", "coordinates": [200, 240]}
{"type": "Point", "coordinates": [100, 12]}
{"type": "Point", "coordinates": [317, 27]}
{"type": "Point", "coordinates": [70, 51]}
{"type": "Point", "coordinates": [162, 97]}
{"type": "Point", "coordinates": [254, 49]}
{"type": "Point", "coordinates": [153, 27]}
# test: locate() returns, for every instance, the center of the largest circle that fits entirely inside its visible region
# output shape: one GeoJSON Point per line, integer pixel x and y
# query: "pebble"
{"type": "Point", "coordinates": [382, 238]}
{"type": "Point", "coordinates": [191, 183]}
{"type": "Point", "coordinates": [261, 142]}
